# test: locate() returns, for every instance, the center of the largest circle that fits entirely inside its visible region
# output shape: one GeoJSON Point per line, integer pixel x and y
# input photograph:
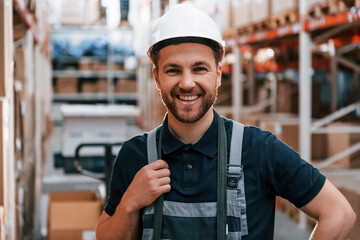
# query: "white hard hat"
{"type": "Point", "coordinates": [185, 23]}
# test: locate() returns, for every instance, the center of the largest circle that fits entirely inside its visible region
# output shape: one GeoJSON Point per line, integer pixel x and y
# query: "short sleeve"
{"type": "Point", "coordinates": [290, 176]}
{"type": "Point", "coordinates": [130, 159]}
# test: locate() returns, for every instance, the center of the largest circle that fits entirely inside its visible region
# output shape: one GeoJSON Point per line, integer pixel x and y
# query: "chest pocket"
{"type": "Point", "coordinates": [198, 220]}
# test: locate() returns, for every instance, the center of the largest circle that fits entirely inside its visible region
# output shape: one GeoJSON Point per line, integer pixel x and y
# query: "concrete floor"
{"type": "Point", "coordinates": [286, 229]}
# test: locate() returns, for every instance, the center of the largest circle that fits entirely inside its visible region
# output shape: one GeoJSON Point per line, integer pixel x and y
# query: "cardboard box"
{"type": "Point", "coordinates": [124, 85]}
{"type": "Point", "coordinates": [88, 87]}
{"type": "Point", "coordinates": [102, 85]}
{"type": "Point", "coordinates": [100, 66]}
{"type": "Point", "coordinates": [118, 66]}
{"type": "Point", "coordinates": [241, 13]}
{"type": "Point", "coordinates": [287, 97]}
{"type": "Point", "coordinates": [66, 85]}
{"type": "Point", "coordinates": [71, 213]}
{"type": "Point", "coordinates": [281, 6]}
{"type": "Point", "coordinates": [260, 10]}
{"type": "Point", "coordinates": [286, 128]}
{"type": "Point", "coordinates": [80, 12]}
{"type": "Point", "coordinates": [338, 142]}
{"type": "Point", "coordinates": [85, 65]}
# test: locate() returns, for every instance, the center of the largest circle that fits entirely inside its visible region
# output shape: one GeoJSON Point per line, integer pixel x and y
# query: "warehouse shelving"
{"type": "Point", "coordinates": [25, 93]}
{"type": "Point", "coordinates": [309, 35]}
{"type": "Point", "coordinates": [110, 59]}
{"type": "Point", "coordinates": [351, 16]}
{"type": "Point", "coordinates": [93, 97]}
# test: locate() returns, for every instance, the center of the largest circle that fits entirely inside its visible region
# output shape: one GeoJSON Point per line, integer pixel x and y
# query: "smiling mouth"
{"type": "Point", "coordinates": [187, 98]}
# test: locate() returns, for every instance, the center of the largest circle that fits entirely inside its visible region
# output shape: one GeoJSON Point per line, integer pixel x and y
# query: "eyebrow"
{"type": "Point", "coordinates": [201, 63]}
{"type": "Point", "coordinates": [173, 65]}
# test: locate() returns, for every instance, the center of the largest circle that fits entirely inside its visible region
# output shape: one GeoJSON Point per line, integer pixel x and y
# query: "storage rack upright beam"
{"type": "Point", "coordinates": [305, 93]}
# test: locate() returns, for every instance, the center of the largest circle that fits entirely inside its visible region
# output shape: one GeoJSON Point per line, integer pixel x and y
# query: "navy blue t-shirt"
{"type": "Point", "coordinates": [271, 168]}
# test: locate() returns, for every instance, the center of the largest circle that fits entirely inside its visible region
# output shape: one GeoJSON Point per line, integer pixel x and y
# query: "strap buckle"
{"type": "Point", "coordinates": [234, 174]}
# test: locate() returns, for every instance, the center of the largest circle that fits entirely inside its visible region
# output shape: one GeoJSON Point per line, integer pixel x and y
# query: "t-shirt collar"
{"type": "Point", "coordinates": [207, 145]}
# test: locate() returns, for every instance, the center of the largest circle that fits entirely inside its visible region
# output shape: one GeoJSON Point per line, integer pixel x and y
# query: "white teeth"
{"type": "Point", "coordinates": [188, 98]}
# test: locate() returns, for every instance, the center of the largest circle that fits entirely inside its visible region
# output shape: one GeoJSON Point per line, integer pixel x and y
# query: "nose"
{"type": "Point", "coordinates": [187, 81]}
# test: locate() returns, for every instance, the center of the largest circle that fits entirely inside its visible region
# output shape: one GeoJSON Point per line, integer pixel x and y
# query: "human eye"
{"type": "Point", "coordinates": [200, 69]}
{"type": "Point", "coordinates": [172, 71]}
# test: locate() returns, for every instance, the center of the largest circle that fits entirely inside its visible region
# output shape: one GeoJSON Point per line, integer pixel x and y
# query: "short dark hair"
{"type": "Point", "coordinates": [155, 50]}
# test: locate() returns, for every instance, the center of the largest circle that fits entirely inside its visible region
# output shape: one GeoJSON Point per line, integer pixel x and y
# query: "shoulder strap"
{"type": "Point", "coordinates": [236, 171]}
{"type": "Point", "coordinates": [236, 143]}
{"type": "Point", "coordinates": [154, 153]}
{"type": "Point", "coordinates": [221, 181]}
{"type": "Point", "coordinates": [151, 146]}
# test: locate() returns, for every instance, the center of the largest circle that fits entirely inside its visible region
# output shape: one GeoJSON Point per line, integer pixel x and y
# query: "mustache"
{"type": "Point", "coordinates": [178, 90]}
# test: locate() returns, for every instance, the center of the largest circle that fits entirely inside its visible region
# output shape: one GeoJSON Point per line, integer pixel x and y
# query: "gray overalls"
{"type": "Point", "coordinates": [176, 215]}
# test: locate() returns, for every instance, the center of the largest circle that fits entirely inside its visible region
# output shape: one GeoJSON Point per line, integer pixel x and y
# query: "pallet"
{"type": "Point", "coordinates": [285, 18]}
{"type": "Point", "coordinates": [228, 34]}
{"type": "Point", "coordinates": [331, 7]}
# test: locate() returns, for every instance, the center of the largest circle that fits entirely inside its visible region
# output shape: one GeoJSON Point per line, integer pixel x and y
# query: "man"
{"type": "Point", "coordinates": [186, 51]}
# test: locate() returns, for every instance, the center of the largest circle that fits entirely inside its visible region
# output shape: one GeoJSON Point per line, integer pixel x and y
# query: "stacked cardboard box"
{"type": "Point", "coordinates": [287, 97]}
{"type": "Point", "coordinates": [102, 85]}
{"type": "Point", "coordinates": [85, 65]}
{"type": "Point", "coordinates": [72, 213]}
{"type": "Point", "coordinates": [99, 66]}
{"type": "Point", "coordinates": [124, 85]}
{"type": "Point", "coordinates": [80, 12]}
{"type": "Point", "coordinates": [88, 87]}
{"type": "Point", "coordinates": [66, 85]}
{"type": "Point", "coordinates": [286, 128]}
{"type": "Point", "coordinates": [338, 142]}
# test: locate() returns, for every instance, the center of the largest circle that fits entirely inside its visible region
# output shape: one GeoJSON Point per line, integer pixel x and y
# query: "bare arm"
{"type": "Point", "coordinates": [333, 212]}
{"type": "Point", "coordinates": [148, 184]}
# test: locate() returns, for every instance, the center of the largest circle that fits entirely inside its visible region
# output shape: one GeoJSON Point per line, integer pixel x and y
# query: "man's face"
{"type": "Point", "coordinates": [188, 78]}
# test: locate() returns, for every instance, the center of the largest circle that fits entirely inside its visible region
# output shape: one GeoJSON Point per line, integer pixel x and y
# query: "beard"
{"type": "Point", "coordinates": [189, 114]}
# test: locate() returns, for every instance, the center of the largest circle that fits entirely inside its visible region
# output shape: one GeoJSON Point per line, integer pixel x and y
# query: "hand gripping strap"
{"type": "Point", "coordinates": [236, 172]}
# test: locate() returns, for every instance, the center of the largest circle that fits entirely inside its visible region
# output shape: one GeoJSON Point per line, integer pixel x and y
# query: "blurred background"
{"type": "Point", "coordinates": [75, 82]}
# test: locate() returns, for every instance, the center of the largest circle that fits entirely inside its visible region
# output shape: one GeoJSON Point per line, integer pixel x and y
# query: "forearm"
{"type": "Point", "coordinates": [124, 224]}
{"type": "Point", "coordinates": [333, 228]}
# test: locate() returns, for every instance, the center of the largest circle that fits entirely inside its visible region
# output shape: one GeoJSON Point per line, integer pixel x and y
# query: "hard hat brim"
{"type": "Point", "coordinates": [178, 40]}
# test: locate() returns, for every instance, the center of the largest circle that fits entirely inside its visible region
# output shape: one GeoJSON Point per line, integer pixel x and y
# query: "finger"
{"type": "Point", "coordinates": [164, 188]}
{"type": "Point", "coordinates": [159, 164]}
{"type": "Point", "coordinates": [164, 172]}
{"type": "Point", "coordinates": [163, 181]}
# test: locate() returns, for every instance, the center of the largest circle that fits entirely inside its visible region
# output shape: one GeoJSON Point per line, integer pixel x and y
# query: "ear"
{"type": "Point", "coordinates": [156, 76]}
{"type": "Point", "coordinates": [218, 74]}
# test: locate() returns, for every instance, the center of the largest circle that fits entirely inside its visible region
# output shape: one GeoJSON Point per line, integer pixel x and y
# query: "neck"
{"type": "Point", "coordinates": [190, 133]}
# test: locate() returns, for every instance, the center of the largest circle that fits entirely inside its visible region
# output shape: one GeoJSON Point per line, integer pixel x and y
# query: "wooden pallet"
{"type": "Point", "coordinates": [262, 25]}
{"type": "Point", "coordinates": [285, 18]}
{"type": "Point", "coordinates": [227, 34]}
{"type": "Point", "coordinates": [331, 7]}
